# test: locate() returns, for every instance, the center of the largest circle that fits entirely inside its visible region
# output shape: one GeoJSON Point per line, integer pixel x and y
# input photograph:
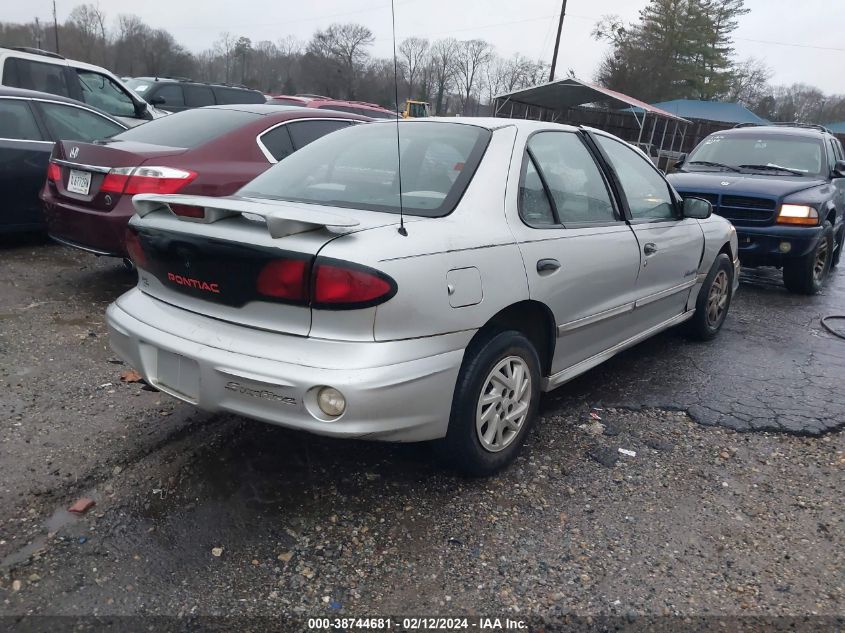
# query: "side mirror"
{"type": "Point", "coordinates": [697, 208]}
{"type": "Point", "coordinates": [680, 162]}
{"type": "Point", "coordinates": [839, 169]}
{"type": "Point", "coordinates": [157, 101]}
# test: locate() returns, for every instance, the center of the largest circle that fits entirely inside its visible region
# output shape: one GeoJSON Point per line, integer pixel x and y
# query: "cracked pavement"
{"type": "Point", "coordinates": [772, 368]}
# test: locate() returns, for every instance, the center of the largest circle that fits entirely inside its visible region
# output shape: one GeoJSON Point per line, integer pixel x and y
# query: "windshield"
{"type": "Point", "coordinates": [357, 168]}
{"type": "Point", "coordinates": [803, 155]}
{"type": "Point", "coordinates": [188, 129]}
{"type": "Point", "coordinates": [138, 85]}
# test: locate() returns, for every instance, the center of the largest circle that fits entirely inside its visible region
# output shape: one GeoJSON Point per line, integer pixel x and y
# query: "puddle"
{"type": "Point", "coordinates": [57, 521]}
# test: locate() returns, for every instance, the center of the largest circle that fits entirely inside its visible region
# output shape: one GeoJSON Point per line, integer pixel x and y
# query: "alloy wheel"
{"type": "Point", "coordinates": [503, 404]}
{"type": "Point", "coordinates": [717, 299]}
{"type": "Point", "coordinates": [820, 263]}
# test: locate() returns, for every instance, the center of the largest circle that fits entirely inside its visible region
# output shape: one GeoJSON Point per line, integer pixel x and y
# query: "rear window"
{"type": "Point", "coordinates": [357, 168]}
{"type": "Point", "coordinates": [235, 95]}
{"type": "Point", "coordinates": [190, 128]}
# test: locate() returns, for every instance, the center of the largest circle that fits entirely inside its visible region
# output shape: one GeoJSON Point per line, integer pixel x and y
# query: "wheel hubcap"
{"type": "Point", "coordinates": [717, 299]}
{"type": "Point", "coordinates": [503, 404]}
{"type": "Point", "coordinates": [820, 265]}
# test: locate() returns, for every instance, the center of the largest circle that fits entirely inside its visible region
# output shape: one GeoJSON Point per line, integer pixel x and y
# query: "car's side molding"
{"type": "Point", "coordinates": [561, 377]}
{"type": "Point", "coordinates": [624, 308]}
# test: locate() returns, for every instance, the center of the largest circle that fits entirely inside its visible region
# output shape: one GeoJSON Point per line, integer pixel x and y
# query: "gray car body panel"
{"type": "Point", "coordinates": [397, 363]}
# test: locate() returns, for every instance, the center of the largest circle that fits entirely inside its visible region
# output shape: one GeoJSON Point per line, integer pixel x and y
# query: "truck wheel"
{"type": "Point", "coordinates": [837, 255]}
{"type": "Point", "coordinates": [714, 300]}
{"type": "Point", "coordinates": [806, 275]}
{"type": "Point", "coordinates": [496, 400]}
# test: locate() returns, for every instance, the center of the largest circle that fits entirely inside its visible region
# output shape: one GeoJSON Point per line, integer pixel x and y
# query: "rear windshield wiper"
{"type": "Point", "coordinates": [794, 172]}
{"type": "Point", "coordinates": [708, 163]}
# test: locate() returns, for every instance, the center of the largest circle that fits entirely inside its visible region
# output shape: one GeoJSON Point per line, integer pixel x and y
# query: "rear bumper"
{"type": "Point", "coordinates": [395, 391]}
{"type": "Point", "coordinates": [98, 232]}
{"type": "Point", "coordinates": [761, 246]}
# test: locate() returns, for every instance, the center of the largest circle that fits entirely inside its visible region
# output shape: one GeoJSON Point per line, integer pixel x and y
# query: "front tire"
{"type": "Point", "coordinates": [714, 300]}
{"type": "Point", "coordinates": [806, 275]}
{"type": "Point", "coordinates": [496, 400]}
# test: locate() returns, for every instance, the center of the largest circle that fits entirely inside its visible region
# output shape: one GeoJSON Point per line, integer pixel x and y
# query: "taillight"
{"type": "Point", "coordinates": [344, 286]}
{"type": "Point", "coordinates": [134, 248]}
{"type": "Point", "coordinates": [285, 279]}
{"type": "Point", "coordinates": [187, 210]}
{"type": "Point", "coordinates": [329, 286]}
{"type": "Point", "coordinates": [132, 180]}
{"type": "Point", "coordinates": [54, 172]}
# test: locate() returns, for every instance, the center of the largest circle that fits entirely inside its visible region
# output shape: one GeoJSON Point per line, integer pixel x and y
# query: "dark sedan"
{"type": "Point", "coordinates": [210, 151]}
{"type": "Point", "coordinates": [30, 122]}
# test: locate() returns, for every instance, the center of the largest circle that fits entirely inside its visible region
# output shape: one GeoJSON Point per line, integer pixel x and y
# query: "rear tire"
{"type": "Point", "coordinates": [806, 275]}
{"type": "Point", "coordinates": [497, 396]}
{"type": "Point", "coordinates": [714, 300]}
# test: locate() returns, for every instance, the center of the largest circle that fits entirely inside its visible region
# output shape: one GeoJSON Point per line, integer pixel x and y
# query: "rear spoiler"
{"type": "Point", "coordinates": [282, 218]}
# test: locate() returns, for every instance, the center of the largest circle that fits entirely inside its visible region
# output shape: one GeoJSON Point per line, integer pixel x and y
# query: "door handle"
{"type": "Point", "coordinates": [650, 248]}
{"type": "Point", "coordinates": [547, 266]}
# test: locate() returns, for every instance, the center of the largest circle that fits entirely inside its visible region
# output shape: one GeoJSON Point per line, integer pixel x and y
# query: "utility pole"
{"type": "Point", "coordinates": [55, 27]}
{"type": "Point", "coordinates": [37, 33]}
{"type": "Point", "coordinates": [557, 40]}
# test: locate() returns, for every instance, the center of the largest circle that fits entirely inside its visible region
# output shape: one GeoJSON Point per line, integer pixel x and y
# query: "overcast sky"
{"type": "Point", "coordinates": [800, 41]}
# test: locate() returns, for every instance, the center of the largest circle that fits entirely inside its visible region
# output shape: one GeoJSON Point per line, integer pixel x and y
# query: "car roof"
{"type": "Point", "coordinates": [186, 80]}
{"type": "Point", "coordinates": [495, 123]}
{"type": "Point", "coordinates": [287, 112]}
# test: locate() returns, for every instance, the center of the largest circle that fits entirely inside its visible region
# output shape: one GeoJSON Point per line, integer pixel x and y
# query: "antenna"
{"type": "Point", "coordinates": [402, 230]}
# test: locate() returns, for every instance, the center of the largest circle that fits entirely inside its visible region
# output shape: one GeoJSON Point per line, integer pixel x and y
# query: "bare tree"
{"type": "Point", "coordinates": [470, 59]}
{"type": "Point", "coordinates": [442, 66]}
{"type": "Point", "coordinates": [225, 47]}
{"type": "Point", "coordinates": [749, 82]}
{"type": "Point", "coordinates": [90, 24]}
{"type": "Point", "coordinates": [414, 52]}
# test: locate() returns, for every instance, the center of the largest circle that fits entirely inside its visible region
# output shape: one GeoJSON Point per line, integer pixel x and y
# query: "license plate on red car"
{"type": "Point", "coordinates": [79, 182]}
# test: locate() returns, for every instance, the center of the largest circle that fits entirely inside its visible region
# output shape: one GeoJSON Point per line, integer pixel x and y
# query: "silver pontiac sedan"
{"type": "Point", "coordinates": [331, 295]}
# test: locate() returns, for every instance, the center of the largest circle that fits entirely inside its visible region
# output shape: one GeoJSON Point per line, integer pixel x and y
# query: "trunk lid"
{"type": "Point", "coordinates": [218, 265]}
{"type": "Point", "coordinates": [88, 164]}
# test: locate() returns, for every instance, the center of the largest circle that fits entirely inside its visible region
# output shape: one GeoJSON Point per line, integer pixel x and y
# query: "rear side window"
{"type": "Point", "coordinates": [534, 205]}
{"type": "Point", "coordinates": [304, 132]}
{"type": "Point", "coordinates": [24, 73]}
{"type": "Point", "coordinates": [170, 95]}
{"type": "Point", "coordinates": [104, 93]}
{"type": "Point", "coordinates": [277, 142]}
{"type": "Point", "coordinates": [69, 123]}
{"type": "Point", "coordinates": [17, 121]}
{"type": "Point", "coordinates": [190, 128]}
{"type": "Point", "coordinates": [235, 95]}
{"type": "Point", "coordinates": [197, 96]}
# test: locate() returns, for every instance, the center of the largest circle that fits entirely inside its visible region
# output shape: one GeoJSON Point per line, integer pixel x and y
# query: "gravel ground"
{"type": "Point", "coordinates": [701, 521]}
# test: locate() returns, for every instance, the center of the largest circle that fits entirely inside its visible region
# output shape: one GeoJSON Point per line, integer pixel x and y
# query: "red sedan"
{"type": "Point", "coordinates": [206, 151]}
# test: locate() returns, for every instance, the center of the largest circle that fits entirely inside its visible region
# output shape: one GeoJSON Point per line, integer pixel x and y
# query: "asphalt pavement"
{"type": "Point", "coordinates": [726, 501]}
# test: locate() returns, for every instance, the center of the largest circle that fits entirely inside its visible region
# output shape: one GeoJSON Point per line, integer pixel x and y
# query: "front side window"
{"type": "Point", "coordinates": [572, 178]}
{"type": "Point", "coordinates": [104, 93]}
{"type": "Point", "coordinates": [358, 168]}
{"type": "Point", "coordinates": [69, 123]}
{"type": "Point", "coordinates": [169, 95]}
{"type": "Point", "coordinates": [17, 121]}
{"type": "Point", "coordinates": [647, 193]}
{"type": "Point", "coordinates": [24, 73]}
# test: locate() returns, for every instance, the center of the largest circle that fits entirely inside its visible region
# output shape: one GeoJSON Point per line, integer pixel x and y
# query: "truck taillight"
{"type": "Point", "coordinates": [132, 180]}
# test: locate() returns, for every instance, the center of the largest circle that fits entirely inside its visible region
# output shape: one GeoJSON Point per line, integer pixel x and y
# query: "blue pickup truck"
{"type": "Point", "coordinates": [783, 188]}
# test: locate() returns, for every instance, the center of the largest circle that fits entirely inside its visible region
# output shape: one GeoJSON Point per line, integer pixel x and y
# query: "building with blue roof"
{"type": "Point", "coordinates": [721, 111]}
{"type": "Point", "coordinates": [836, 128]}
